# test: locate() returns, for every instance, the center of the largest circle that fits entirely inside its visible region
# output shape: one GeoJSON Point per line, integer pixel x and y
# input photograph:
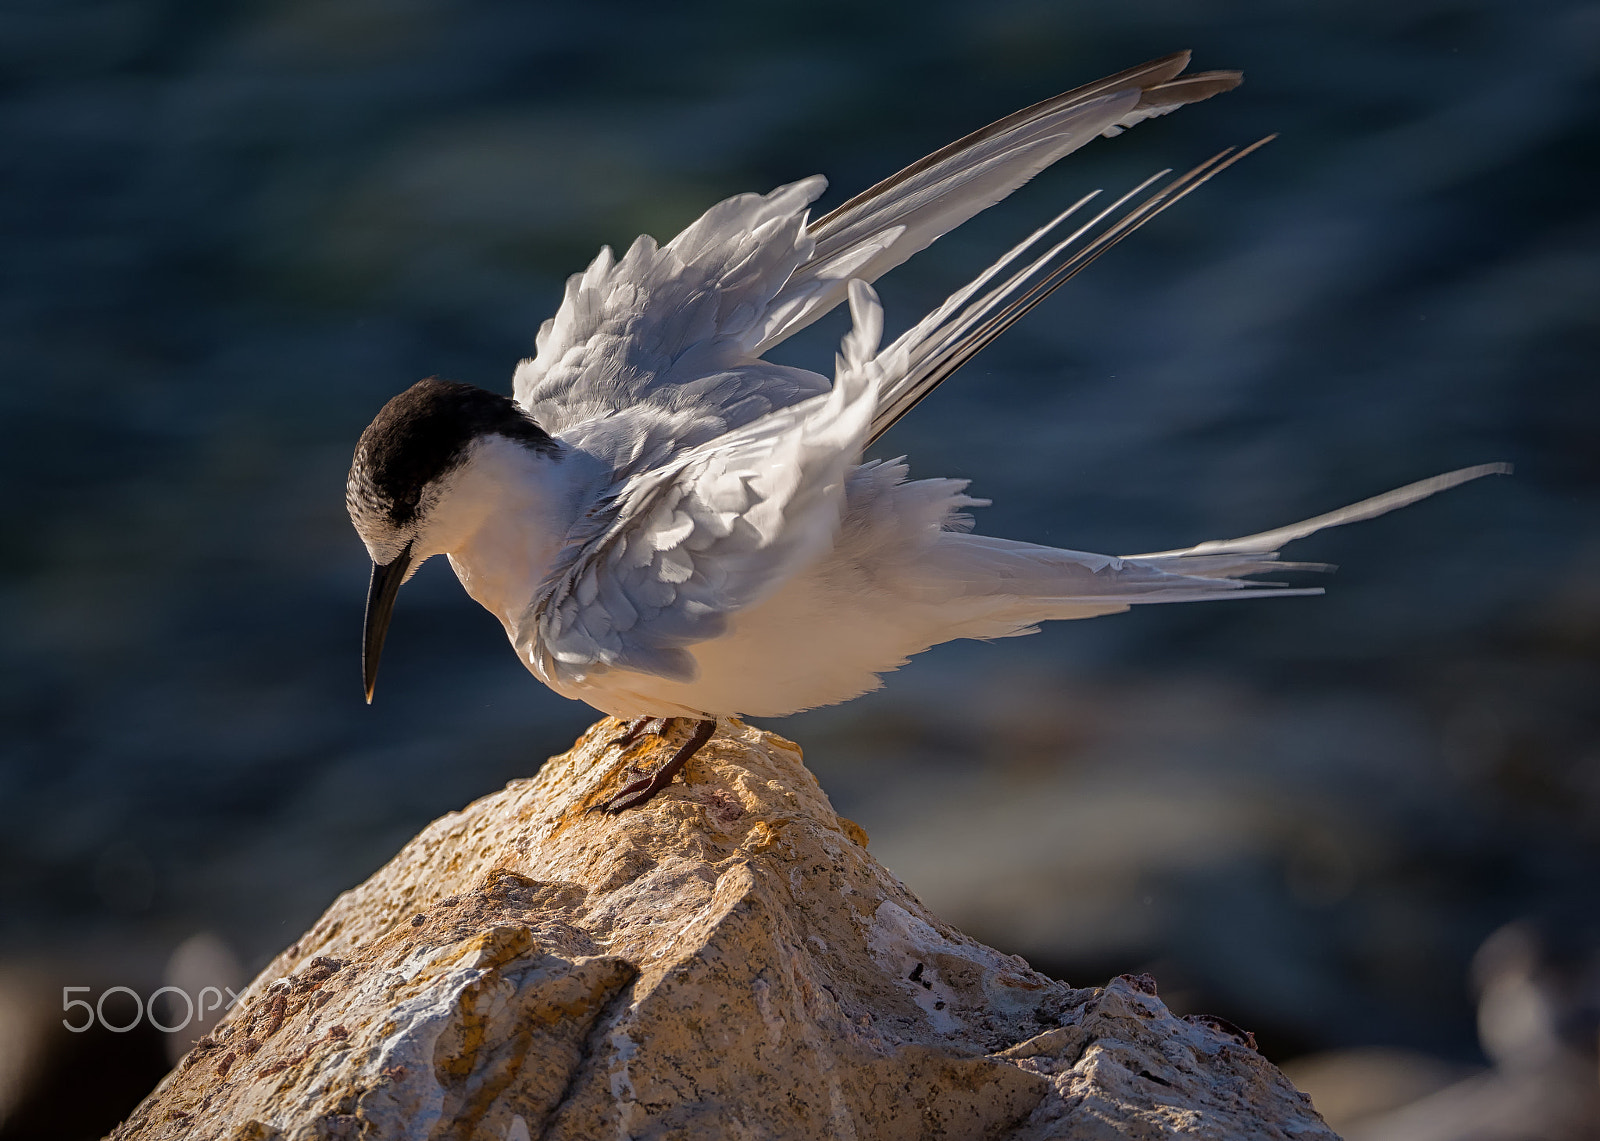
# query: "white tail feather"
{"type": "Point", "coordinates": [1015, 585]}
{"type": "Point", "coordinates": [1252, 554]}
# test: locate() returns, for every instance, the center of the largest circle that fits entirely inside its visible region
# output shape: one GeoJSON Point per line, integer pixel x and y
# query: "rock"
{"type": "Point", "coordinates": [727, 961]}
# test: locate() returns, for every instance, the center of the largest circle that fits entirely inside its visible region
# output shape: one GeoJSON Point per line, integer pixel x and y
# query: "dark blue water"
{"type": "Point", "coordinates": [233, 230]}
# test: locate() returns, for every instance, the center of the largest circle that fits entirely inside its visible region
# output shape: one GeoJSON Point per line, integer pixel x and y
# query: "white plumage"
{"type": "Point", "coordinates": [698, 535]}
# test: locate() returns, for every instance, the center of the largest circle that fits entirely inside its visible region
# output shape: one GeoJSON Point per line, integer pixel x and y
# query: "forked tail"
{"type": "Point", "coordinates": [1006, 587]}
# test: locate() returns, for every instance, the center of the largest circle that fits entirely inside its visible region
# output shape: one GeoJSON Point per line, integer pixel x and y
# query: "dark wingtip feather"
{"type": "Point", "coordinates": [1154, 75]}
{"type": "Point", "coordinates": [1189, 88]}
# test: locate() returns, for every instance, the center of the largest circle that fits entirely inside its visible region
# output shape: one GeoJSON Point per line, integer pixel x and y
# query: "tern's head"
{"type": "Point", "coordinates": [417, 484]}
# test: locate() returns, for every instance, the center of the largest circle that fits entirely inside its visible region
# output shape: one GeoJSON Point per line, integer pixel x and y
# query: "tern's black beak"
{"type": "Point", "coordinates": [386, 580]}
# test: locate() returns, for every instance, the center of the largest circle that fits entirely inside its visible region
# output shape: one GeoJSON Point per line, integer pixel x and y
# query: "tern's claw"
{"type": "Point", "coordinates": [639, 727]}
{"type": "Point", "coordinates": [638, 792]}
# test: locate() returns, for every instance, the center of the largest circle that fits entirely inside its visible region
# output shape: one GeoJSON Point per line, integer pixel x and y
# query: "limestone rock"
{"type": "Point", "coordinates": [727, 961]}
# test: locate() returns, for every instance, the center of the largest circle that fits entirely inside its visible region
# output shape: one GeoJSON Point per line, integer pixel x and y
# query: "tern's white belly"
{"type": "Point", "coordinates": [807, 645]}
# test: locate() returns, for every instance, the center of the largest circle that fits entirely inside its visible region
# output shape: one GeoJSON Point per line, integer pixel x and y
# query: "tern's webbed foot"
{"type": "Point", "coordinates": [638, 792]}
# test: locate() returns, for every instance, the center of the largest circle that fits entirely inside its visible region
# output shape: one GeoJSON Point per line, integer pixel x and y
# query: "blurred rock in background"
{"type": "Point", "coordinates": [1538, 988]}
{"type": "Point", "coordinates": [231, 231]}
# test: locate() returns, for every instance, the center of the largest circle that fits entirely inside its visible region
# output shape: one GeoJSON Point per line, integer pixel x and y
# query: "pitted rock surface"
{"type": "Point", "coordinates": [727, 961]}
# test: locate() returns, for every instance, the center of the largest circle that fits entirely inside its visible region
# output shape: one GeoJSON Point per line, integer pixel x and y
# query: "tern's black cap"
{"type": "Point", "coordinates": [421, 435]}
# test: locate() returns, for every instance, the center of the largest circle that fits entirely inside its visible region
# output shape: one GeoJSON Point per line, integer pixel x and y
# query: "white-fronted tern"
{"type": "Point", "coordinates": [669, 526]}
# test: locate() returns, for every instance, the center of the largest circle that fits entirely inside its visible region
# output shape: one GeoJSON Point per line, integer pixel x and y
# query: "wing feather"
{"type": "Point", "coordinates": [672, 322]}
{"type": "Point", "coordinates": [656, 325]}
{"type": "Point", "coordinates": [930, 351]}
{"type": "Point", "coordinates": [884, 225]}
{"type": "Point", "coordinates": [665, 561]}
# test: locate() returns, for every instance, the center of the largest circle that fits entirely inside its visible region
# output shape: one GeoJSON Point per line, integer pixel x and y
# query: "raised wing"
{"type": "Point", "coordinates": [883, 226]}
{"type": "Point", "coordinates": [664, 563]}
{"type": "Point", "coordinates": [750, 272]}
{"type": "Point", "coordinates": [663, 318]}
{"type": "Point", "coordinates": [925, 355]}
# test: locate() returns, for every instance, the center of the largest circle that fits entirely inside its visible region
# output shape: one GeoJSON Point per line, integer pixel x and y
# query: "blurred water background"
{"type": "Point", "coordinates": [232, 230]}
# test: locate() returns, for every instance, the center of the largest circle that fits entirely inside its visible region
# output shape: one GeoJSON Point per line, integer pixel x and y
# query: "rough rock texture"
{"type": "Point", "coordinates": [727, 961]}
